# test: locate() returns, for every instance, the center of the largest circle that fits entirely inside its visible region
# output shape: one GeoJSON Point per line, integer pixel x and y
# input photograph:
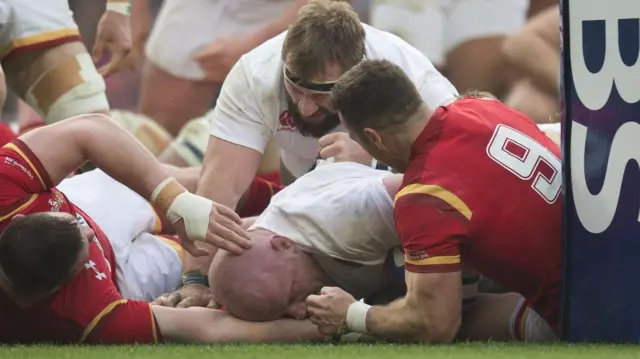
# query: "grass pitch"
{"type": "Point", "coordinates": [356, 351]}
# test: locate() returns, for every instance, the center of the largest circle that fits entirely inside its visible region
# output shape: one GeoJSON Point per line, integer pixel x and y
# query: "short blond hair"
{"type": "Point", "coordinates": [326, 31]}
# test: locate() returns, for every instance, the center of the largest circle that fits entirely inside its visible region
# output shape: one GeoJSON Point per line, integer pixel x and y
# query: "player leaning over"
{"type": "Point", "coordinates": [481, 182]}
{"type": "Point", "coordinates": [56, 264]}
{"type": "Point", "coordinates": [281, 90]}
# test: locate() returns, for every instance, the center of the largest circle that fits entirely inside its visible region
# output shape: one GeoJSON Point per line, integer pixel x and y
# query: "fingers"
{"type": "Point", "coordinates": [326, 290]}
{"type": "Point", "coordinates": [228, 213]}
{"type": "Point", "coordinates": [98, 50]}
{"type": "Point", "coordinates": [194, 301]}
{"type": "Point", "coordinates": [117, 55]}
{"type": "Point", "coordinates": [191, 247]}
{"type": "Point", "coordinates": [222, 243]}
{"type": "Point", "coordinates": [330, 151]}
{"type": "Point", "coordinates": [326, 140]}
{"type": "Point", "coordinates": [313, 301]}
{"type": "Point", "coordinates": [222, 233]}
{"type": "Point", "coordinates": [162, 300]}
{"type": "Point", "coordinates": [213, 304]}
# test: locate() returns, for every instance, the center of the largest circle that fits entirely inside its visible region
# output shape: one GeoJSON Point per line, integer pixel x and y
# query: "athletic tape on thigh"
{"type": "Point", "coordinates": [70, 88]}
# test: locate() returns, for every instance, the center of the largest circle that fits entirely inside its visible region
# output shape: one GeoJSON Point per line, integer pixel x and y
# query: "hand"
{"type": "Point", "coordinates": [343, 149]}
{"type": "Point", "coordinates": [329, 309]}
{"type": "Point", "coordinates": [217, 58]}
{"type": "Point", "coordinates": [224, 230]}
{"type": "Point", "coordinates": [190, 295]}
{"type": "Point", "coordinates": [114, 36]}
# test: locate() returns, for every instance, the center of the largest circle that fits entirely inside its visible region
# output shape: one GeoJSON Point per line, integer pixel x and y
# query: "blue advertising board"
{"type": "Point", "coordinates": [601, 152]}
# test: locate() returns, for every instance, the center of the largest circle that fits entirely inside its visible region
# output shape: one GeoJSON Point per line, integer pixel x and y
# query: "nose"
{"type": "Point", "coordinates": [307, 106]}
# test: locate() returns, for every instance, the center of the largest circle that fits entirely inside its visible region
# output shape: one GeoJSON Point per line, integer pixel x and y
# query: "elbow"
{"type": "Point", "coordinates": [439, 332]}
{"type": "Point", "coordinates": [512, 47]}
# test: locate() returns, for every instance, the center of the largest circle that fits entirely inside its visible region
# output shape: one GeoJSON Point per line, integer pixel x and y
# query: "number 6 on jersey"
{"type": "Point", "coordinates": [525, 157]}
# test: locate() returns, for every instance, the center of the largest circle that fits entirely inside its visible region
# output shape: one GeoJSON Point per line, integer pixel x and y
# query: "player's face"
{"type": "Point", "coordinates": [308, 102]}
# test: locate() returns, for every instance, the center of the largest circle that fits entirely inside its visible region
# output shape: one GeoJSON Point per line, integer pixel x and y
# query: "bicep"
{"type": "Point", "coordinates": [56, 146]}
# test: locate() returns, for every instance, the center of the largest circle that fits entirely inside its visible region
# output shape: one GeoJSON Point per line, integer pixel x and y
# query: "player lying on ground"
{"type": "Point", "coordinates": [481, 183]}
{"type": "Point", "coordinates": [333, 225]}
{"type": "Point", "coordinates": [57, 275]}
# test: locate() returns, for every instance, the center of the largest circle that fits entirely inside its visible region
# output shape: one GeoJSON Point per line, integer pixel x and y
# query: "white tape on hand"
{"type": "Point", "coordinates": [195, 211]}
{"type": "Point", "coordinates": [121, 7]}
{"type": "Point", "coordinates": [357, 317]}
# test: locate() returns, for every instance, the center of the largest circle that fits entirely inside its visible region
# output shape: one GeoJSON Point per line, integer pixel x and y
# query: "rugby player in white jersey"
{"type": "Point", "coordinates": [280, 91]}
{"type": "Point", "coordinates": [46, 63]}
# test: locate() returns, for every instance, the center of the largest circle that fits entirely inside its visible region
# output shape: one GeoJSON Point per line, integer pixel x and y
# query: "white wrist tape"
{"type": "Point", "coordinates": [357, 317]}
{"type": "Point", "coordinates": [195, 211]}
{"type": "Point", "coordinates": [159, 188]}
{"type": "Point", "coordinates": [374, 163]}
{"type": "Point", "coordinates": [123, 8]}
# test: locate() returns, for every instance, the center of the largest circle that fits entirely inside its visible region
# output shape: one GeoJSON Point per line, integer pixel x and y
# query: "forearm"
{"type": "Point", "coordinates": [223, 187]}
{"type": "Point", "coordinates": [538, 59]}
{"type": "Point", "coordinates": [278, 25]}
{"type": "Point", "coordinates": [120, 155]}
{"type": "Point", "coordinates": [202, 325]}
{"type": "Point", "coordinates": [397, 321]}
{"type": "Point", "coordinates": [186, 176]}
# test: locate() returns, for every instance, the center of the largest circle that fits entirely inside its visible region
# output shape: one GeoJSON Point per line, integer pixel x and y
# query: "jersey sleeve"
{"type": "Point", "coordinates": [237, 117]}
{"type": "Point", "coordinates": [124, 322]}
{"type": "Point", "coordinates": [430, 221]}
{"type": "Point", "coordinates": [22, 179]}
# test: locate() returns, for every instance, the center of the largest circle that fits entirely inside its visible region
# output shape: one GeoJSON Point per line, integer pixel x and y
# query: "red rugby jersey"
{"type": "Point", "coordinates": [87, 309]}
{"type": "Point", "coordinates": [484, 183]}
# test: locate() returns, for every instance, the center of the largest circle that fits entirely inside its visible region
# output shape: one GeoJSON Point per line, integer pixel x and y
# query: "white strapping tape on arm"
{"type": "Point", "coordinates": [357, 317]}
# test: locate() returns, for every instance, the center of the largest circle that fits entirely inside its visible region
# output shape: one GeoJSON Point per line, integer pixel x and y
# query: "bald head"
{"type": "Point", "coordinates": [256, 285]}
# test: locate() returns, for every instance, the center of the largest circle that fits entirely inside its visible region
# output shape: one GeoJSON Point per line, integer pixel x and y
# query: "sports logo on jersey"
{"type": "Point", "coordinates": [91, 265]}
{"type": "Point", "coordinates": [286, 122]}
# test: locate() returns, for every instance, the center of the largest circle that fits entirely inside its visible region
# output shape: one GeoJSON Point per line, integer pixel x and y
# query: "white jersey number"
{"type": "Point", "coordinates": [527, 158]}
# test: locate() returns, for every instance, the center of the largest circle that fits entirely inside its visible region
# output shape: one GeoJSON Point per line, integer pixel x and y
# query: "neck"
{"type": "Point", "coordinates": [311, 272]}
{"type": "Point", "coordinates": [410, 132]}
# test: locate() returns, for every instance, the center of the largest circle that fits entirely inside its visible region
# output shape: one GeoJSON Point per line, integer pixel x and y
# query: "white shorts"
{"type": "Point", "coordinates": [184, 27]}
{"type": "Point", "coordinates": [147, 265]}
{"type": "Point", "coordinates": [31, 24]}
{"type": "Point", "coordinates": [435, 27]}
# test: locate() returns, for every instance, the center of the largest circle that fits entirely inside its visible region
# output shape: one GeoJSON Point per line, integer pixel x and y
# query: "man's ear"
{"type": "Point", "coordinates": [282, 243]}
{"type": "Point", "coordinates": [372, 136]}
{"type": "Point", "coordinates": [17, 216]}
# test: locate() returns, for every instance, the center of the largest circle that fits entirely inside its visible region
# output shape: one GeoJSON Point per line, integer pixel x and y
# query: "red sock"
{"type": "Point", "coordinates": [260, 193]}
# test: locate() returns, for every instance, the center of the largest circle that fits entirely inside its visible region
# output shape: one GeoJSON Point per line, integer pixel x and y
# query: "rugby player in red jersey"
{"type": "Point", "coordinates": [57, 268]}
{"type": "Point", "coordinates": [481, 182]}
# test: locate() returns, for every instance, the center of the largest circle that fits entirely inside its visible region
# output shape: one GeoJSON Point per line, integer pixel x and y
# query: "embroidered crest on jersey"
{"type": "Point", "coordinates": [286, 122]}
{"type": "Point", "coordinates": [57, 201]}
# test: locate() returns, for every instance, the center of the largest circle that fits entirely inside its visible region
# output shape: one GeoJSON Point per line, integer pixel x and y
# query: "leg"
{"type": "Point", "coordinates": [47, 65]}
{"type": "Point", "coordinates": [474, 32]}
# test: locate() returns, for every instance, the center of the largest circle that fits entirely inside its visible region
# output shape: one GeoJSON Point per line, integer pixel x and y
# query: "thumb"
{"type": "Point", "coordinates": [98, 50]}
{"type": "Point", "coordinates": [213, 304]}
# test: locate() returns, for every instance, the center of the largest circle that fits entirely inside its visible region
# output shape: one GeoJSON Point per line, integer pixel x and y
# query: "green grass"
{"type": "Point", "coordinates": [485, 350]}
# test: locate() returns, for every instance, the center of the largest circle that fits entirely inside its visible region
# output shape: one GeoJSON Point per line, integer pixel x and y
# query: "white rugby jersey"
{"type": "Point", "coordinates": [342, 214]}
{"type": "Point", "coordinates": [252, 106]}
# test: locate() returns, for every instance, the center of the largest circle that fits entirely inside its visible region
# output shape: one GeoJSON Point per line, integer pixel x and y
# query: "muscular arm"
{"type": "Point", "coordinates": [430, 312]}
{"type": "Point", "coordinates": [66, 145]}
{"type": "Point", "coordinates": [202, 325]}
{"type": "Point", "coordinates": [535, 49]}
